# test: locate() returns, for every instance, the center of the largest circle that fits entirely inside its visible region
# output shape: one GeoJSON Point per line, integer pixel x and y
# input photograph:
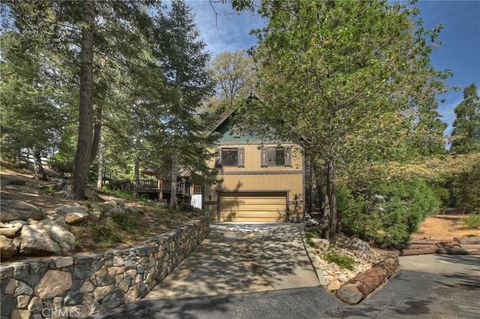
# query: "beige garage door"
{"type": "Point", "coordinates": [253, 207]}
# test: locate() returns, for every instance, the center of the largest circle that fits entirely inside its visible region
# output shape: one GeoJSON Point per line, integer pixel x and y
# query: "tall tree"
{"type": "Point", "coordinates": [234, 74]}
{"type": "Point", "coordinates": [466, 127]}
{"type": "Point", "coordinates": [182, 56]}
{"type": "Point", "coordinates": [341, 79]}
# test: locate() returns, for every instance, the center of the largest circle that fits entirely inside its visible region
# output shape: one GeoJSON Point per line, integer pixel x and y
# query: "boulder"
{"type": "Point", "coordinates": [76, 217]}
{"type": "Point", "coordinates": [10, 229]}
{"type": "Point", "coordinates": [46, 236]}
{"type": "Point", "coordinates": [7, 248]}
{"type": "Point", "coordinates": [53, 283]}
{"type": "Point", "coordinates": [18, 210]}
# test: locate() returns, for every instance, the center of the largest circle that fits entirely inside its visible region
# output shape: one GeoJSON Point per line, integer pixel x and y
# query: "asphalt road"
{"type": "Point", "coordinates": [430, 286]}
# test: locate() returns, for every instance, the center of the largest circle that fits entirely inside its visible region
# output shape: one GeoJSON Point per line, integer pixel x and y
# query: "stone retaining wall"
{"type": "Point", "coordinates": [80, 286]}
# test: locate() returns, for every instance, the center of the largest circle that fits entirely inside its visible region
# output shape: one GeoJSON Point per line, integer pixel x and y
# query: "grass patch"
{"type": "Point", "coordinates": [310, 234]}
{"type": "Point", "coordinates": [472, 221]}
{"type": "Point", "coordinates": [342, 261]}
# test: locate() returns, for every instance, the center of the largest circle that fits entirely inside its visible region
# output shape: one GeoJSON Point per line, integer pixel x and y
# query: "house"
{"type": "Point", "coordinates": [257, 180]}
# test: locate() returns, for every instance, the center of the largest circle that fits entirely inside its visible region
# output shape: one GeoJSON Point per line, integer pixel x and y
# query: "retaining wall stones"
{"type": "Point", "coordinates": [80, 286]}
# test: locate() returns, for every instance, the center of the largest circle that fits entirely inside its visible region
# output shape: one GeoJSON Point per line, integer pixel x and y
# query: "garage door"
{"type": "Point", "coordinates": [253, 207]}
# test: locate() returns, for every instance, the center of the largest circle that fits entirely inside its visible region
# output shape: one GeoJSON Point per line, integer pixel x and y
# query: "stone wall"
{"type": "Point", "coordinates": [80, 286]}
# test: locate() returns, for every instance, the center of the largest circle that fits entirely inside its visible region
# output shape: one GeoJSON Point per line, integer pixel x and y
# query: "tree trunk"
{"type": "Point", "coordinates": [100, 170]}
{"type": "Point", "coordinates": [136, 172]}
{"type": "Point", "coordinates": [97, 129]}
{"type": "Point", "coordinates": [38, 167]}
{"type": "Point", "coordinates": [173, 192]}
{"type": "Point", "coordinates": [332, 201]}
{"type": "Point", "coordinates": [85, 125]}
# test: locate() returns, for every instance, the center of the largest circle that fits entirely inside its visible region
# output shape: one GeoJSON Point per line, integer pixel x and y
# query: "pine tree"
{"type": "Point", "coordinates": [466, 127]}
{"type": "Point", "coordinates": [182, 56]}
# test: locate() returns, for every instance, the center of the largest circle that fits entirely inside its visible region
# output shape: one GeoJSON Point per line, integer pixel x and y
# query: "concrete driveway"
{"type": "Point", "coordinates": [241, 258]}
{"type": "Point", "coordinates": [428, 287]}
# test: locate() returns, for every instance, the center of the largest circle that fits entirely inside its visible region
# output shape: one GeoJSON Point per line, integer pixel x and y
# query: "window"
{"type": "Point", "coordinates": [197, 189]}
{"type": "Point", "coordinates": [231, 157]}
{"type": "Point", "coordinates": [276, 156]}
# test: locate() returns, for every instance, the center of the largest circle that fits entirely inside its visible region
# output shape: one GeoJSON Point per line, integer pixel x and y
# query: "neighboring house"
{"type": "Point", "coordinates": [258, 181]}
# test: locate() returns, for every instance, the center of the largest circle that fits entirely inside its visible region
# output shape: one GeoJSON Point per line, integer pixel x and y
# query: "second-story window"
{"type": "Point", "coordinates": [276, 156]}
{"type": "Point", "coordinates": [231, 157]}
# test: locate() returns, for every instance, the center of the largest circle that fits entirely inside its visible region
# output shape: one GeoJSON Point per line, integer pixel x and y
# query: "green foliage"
{"type": "Point", "coordinates": [342, 261]}
{"type": "Point", "coordinates": [472, 221]}
{"type": "Point", "coordinates": [386, 211]}
{"type": "Point", "coordinates": [465, 189]}
{"type": "Point", "coordinates": [466, 127]}
{"type": "Point", "coordinates": [311, 233]}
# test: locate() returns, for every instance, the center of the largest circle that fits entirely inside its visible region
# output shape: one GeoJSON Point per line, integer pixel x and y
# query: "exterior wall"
{"type": "Point", "coordinates": [80, 286]}
{"type": "Point", "coordinates": [254, 177]}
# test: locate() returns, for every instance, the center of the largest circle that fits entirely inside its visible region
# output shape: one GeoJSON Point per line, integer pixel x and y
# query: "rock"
{"type": "Point", "coordinates": [333, 285]}
{"type": "Point", "coordinates": [46, 236]}
{"type": "Point", "coordinates": [35, 305]}
{"type": "Point", "coordinates": [53, 283]}
{"type": "Point", "coordinates": [18, 210]}
{"type": "Point", "coordinates": [20, 314]}
{"type": "Point", "coordinates": [7, 248]}
{"type": "Point", "coordinates": [63, 262]}
{"type": "Point", "coordinates": [114, 299]}
{"type": "Point", "coordinates": [23, 289]}
{"type": "Point", "coordinates": [100, 292]}
{"type": "Point", "coordinates": [87, 287]}
{"type": "Point", "coordinates": [350, 294]}
{"type": "Point", "coordinates": [71, 218]}
{"type": "Point", "coordinates": [11, 286]}
{"type": "Point", "coordinates": [72, 214]}
{"type": "Point", "coordinates": [10, 230]}
{"type": "Point", "coordinates": [22, 301]}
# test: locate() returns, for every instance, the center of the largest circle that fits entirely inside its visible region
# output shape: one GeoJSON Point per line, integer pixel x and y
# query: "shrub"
{"type": "Point", "coordinates": [472, 221]}
{"type": "Point", "coordinates": [388, 211]}
{"type": "Point", "coordinates": [344, 262]}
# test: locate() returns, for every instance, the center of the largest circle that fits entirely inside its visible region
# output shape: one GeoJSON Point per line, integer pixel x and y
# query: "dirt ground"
{"type": "Point", "coordinates": [443, 228]}
{"type": "Point", "coordinates": [153, 219]}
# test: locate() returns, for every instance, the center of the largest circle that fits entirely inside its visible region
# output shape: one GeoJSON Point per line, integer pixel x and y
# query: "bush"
{"type": "Point", "coordinates": [342, 261]}
{"type": "Point", "coordinates": [386, 212]}
{"type": "Point", "coordinates": [472, 221]}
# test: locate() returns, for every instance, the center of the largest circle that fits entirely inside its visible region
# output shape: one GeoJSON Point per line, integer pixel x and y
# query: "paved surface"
{"type": "Point", "coordinates": [241, 258]}
{"type": "Point", "coordinates": [430, 286]}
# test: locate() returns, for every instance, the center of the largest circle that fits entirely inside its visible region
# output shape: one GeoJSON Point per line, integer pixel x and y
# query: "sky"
{"type": "Point", "coordinates": [460, 52]}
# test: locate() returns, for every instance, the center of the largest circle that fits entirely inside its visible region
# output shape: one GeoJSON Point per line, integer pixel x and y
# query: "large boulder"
{"type": "Point", "coordinates": [7, 248]}
{"type": "Point", "coordinates": [72, 214]}
{"type": "Point", "coordinates": [18, 210]}
{"type": "Point", "coordinates": [45, 237]}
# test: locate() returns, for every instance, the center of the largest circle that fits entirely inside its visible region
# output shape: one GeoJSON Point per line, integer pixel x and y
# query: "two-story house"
{"type": "Point", "coordinates": [258, 181]}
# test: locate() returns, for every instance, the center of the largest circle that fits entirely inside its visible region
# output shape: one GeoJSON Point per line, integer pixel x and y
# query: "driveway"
{"type": "Point", "coordinates": [428, 287]}
{"type": "Point", "coordinates": [241, 258]}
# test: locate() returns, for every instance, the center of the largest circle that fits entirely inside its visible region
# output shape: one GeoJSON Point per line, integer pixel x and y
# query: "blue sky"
{"type": "Point", "coordinates": [460, 51]}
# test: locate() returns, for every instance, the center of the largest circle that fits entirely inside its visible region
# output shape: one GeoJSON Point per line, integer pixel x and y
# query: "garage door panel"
{"type": "Point", "coordinates": [253, 207]}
